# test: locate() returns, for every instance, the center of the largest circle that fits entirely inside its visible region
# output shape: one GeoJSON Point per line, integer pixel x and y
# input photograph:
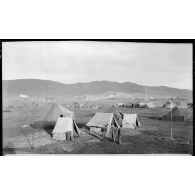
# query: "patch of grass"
{"type": "Point", "coordinates": [153, 136]}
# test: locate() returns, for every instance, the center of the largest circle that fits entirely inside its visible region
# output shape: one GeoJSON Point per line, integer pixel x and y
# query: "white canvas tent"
{"type": "Point", "coordinates": [150, 105]}
{"type": "Point", "coordinates": [100, 119]}
{"type": "Point", "coordinates": [63, 125]}
{"type": "Point", "coordinates": [130, 121]}
{"type": "Point", "coordinates": [142, 105]}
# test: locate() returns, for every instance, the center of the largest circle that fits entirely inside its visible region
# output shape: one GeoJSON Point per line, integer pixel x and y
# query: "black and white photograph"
{"type": "Point", "coordinates": [97, 97]}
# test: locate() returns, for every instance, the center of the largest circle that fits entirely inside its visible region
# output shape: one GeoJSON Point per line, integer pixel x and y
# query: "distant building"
{"type": "Point", "coordinates": [24, 96]}
{"type": "Point", "coordinates": [150, 105]}
{"type": "Point", "coordinates": [142, 105]}
{"type": "Point", "coordinates": [120, 104]}
{"type": "Point", "coordinates": [128, 105]}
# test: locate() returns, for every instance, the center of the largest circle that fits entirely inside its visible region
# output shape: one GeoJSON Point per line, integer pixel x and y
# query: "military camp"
{"type": "Point", "coordinates": [59, 128]}
{"type": "Point", "coordinates": [86, 97]}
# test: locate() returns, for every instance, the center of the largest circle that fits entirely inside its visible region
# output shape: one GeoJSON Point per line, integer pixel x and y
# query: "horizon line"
{"type": "Point", "coordinates": [95, 81]}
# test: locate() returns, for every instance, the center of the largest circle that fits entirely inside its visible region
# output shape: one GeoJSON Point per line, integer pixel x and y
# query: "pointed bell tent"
{"type": "Point", "coordinates": [178, 114]}
{"type": "Point", "coordinates": [56, 111]}
{"type": "Point", "coordinates": [49, 121]}
{"type": "Point", "coordinates": [64, 125]}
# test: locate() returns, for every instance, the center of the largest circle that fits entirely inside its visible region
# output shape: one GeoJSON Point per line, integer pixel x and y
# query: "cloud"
{"type": "Point", "coordinates": [69, 62]}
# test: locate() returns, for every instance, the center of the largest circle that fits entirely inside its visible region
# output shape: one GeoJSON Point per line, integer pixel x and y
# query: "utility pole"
{"type": "Point", "coordinates": [145, 93]}
{"type": "Point", "coordinates": [171, 121]}
{"type": "Point", "coordinates": [33, 127]}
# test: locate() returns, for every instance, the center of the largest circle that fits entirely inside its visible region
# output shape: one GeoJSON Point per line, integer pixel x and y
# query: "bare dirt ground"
{"type": "Point", "coordinates": [152, 138]}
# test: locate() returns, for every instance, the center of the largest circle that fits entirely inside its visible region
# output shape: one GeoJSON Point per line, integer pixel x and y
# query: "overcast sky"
{"type": "Point", "coordinates": [147, 64]}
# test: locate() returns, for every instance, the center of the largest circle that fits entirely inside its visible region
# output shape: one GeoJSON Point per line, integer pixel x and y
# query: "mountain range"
{"type": "Point", "coordinates": [47, 88]}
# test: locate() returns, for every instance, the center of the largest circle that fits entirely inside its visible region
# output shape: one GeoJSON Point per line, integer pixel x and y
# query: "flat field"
{"type": "Point", "coordinates": [153, 137]}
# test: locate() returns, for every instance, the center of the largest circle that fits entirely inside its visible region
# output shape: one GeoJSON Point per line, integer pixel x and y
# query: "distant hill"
{"type": "Point", "coordinates": [46, 88]}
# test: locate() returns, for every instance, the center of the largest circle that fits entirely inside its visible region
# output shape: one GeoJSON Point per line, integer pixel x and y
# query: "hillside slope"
{"type": "Point", "coordinates": [46, 88]}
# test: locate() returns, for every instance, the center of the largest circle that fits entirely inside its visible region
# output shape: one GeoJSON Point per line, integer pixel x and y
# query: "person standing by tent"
{"type": "Point", "coordinates": [119, 135]}
{"type": "Point", "coordinates": [103, 130]}
{"type": "Point", "coordinates": [112, 130]}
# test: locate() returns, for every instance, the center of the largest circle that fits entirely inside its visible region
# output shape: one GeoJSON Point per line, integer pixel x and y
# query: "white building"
{"type": "Point", "coordinates": [24, 96]}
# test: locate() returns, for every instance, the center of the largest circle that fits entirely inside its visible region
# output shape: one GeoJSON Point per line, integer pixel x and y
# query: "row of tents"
{"type": "Point", "coordinates": [113, 117]}
{"type": "Point", "coordinates": [63, 120]}
{"type": "Point", "coordinates": [150, 104]}
{"type": "Point", "coordinates": [57, 110]}
{"type": "Point", "coordinates": [138, 105]}
{"type": "Point", "coordinates": [85, 106]}
{"type": "Point", "coordinates": [142, 104]}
